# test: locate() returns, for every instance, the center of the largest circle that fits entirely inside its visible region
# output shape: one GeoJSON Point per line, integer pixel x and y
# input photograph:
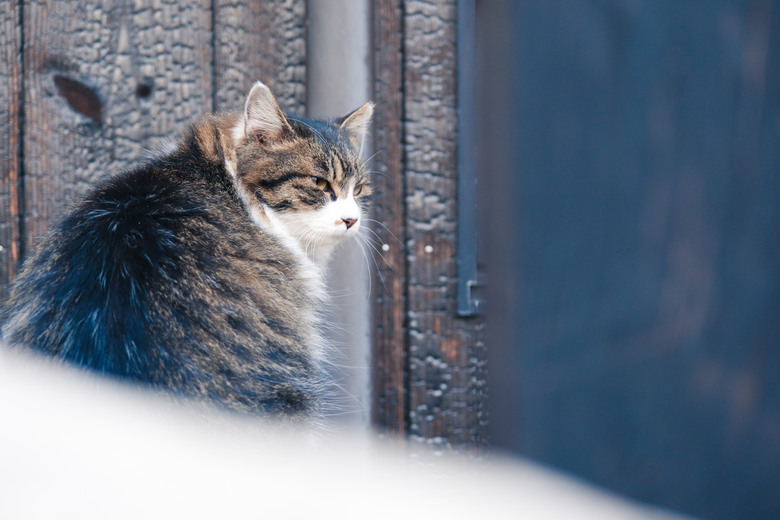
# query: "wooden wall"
{"type": "Point", "coordinates": [89, 87]}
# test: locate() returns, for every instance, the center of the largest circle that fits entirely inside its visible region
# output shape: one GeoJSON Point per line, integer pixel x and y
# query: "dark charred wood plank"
{"type": "Point", "coordinates": [389, 344]}
{"type": "Point", "coordinates": [446, 354]}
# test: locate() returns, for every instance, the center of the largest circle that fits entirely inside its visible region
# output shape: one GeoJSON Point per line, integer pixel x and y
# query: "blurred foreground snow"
{"type": "Point", "coordinates": [77, 446]}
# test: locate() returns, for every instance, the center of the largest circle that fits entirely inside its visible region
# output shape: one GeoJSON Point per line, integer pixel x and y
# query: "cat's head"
{"type": "Point", "coordinates": [305, 174]}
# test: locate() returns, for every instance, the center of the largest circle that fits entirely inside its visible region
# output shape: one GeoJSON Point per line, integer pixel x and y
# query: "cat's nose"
{"type": "Point", "coordinates": [349, 222]}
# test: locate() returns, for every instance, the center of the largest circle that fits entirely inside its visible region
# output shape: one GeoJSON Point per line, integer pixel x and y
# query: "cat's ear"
{"type": "Point", "coordinates": [355, 126]}
{"type": "Point", "coordinates": [263, 119]}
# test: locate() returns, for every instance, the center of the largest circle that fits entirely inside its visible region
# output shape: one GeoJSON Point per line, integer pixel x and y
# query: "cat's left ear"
{"type": "Point", "coordinates": [355, 126]}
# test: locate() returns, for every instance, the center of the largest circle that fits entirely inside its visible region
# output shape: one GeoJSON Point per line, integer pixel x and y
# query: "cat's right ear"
{"type": "Point", "coordinates": [355, 126]}
{"type": "Point", "coordinates": [264, 121]}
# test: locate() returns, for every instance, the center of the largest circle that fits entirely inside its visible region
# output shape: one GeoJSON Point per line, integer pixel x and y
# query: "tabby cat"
{"type": "Point", "coordinates": [201, 272]}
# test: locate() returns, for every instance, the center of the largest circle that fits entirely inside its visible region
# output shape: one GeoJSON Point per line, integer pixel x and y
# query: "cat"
{"type": "Point", "coordinates": [201, 273]}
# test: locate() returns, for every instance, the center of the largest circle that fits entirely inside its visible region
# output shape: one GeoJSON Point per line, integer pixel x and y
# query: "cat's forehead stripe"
{"type": "Point", "coordinates": [331, 166]}
{"type": "Point", "coordinates": [338, 168]}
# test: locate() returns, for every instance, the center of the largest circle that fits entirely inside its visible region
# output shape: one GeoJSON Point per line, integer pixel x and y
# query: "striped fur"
{"type": "Point", "coordinates": [200, 273]}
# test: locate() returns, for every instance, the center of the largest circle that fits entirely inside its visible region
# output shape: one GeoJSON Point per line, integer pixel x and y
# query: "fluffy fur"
{"type": "Point", "coordinates": [201, 272]}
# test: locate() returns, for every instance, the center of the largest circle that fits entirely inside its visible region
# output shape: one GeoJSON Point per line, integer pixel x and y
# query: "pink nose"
{"type": "Point", "coordinates": [349, 222]}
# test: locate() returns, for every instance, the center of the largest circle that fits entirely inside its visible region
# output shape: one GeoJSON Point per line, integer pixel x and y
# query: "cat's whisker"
{"type": "Point", "coordinates": [313, 239]}
{"type": "Point", "coordinates": [351, 367]}
{"type": "Point", "coordinates": [397, 240]}
{"type": "Point", "coordinates": [376, 265]}
{"type": "Point", "coordinates": [376, 237]}
{"type": "Point", "coordinates": [350, 395]}
{"type": "Point", "coordinates": [339, 293]}
{"type": "Point", "coordinates": [378, 253]}
{"type": "Point", "coordinates": [368, 229]}
{"type": "Point", "coordinates": [378, 152]}
{"type": "Point", "coordinates": [361, 241]}
{"type": "Point", "coordinates": [346, 412]}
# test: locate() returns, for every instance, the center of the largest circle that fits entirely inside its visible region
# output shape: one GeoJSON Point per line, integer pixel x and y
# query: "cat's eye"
{"type": "Point", "coordinates": [320, 183]}
{"type": "Point", "coordinates": [358, 189]}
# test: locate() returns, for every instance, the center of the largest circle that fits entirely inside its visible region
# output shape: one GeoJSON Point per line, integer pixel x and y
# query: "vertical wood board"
{"type": "Point", "coordinates": [10, 167]}
{"type": "Point", "coordinates": [446, 354]}
{"type": "Point", "coordinates": [389, 409]}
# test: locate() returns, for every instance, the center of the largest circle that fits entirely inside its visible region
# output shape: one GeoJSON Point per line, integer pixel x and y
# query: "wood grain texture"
{"type": "Point", "coordinates": [106, 83]}
{"type": "Point", "coordinates": [10, 167]}
{"type": "Point", "coordinates": [446, 367]}
{"type": "Point", "coordinates": [389, 408]}
{"type": "Point", "coordinates": [260, 41]}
